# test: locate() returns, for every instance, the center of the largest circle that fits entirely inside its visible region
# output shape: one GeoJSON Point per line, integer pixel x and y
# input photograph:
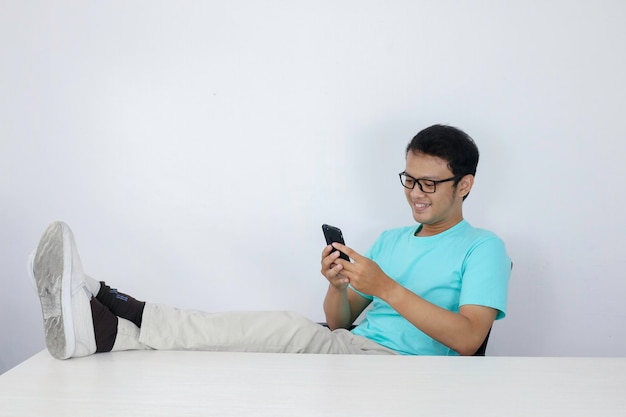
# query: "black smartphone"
{"type": "Point", "coordinates": [333, 234]}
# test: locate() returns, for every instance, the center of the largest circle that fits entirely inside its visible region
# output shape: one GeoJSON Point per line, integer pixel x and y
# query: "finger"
{"type": "Point", "coordinates": [326, 251]}
{"type": "Point", "coordinates": [338, 273]}
{"type": "Point", "coordinates": [335, 276]}
{"type": "Point", "coordinates": [330, 267]}
{"type": "Point", "coordinates": [330, 259]}
{"type": "Point", "coordinates": [347, 250]}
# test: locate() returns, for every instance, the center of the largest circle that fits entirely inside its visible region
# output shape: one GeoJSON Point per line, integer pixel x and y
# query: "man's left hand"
{"type": "Point", "coordinates": [364, 274]}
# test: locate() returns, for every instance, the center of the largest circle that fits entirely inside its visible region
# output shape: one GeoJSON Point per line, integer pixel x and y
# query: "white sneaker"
{"type": "Point", "coordinates": [57, 272]}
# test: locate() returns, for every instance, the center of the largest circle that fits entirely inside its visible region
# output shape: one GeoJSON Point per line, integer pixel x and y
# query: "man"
{"type": "Point", "coordinates": [435, 288]}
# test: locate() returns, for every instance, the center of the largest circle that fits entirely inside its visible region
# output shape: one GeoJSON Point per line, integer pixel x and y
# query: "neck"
{"type": "Point", "coordinates": [426, 230]}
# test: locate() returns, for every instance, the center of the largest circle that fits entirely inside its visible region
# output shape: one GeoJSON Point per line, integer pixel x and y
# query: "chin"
{"type": "Point", "coordinates": [420, 219]}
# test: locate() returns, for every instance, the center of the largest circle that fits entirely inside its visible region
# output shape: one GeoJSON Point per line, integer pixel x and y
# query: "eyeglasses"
{"type": "Point", "coordinates": [427, 186]}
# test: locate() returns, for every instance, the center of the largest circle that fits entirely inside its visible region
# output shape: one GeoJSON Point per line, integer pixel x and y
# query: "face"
{"type": "Point", "coordinates": [442, 209]}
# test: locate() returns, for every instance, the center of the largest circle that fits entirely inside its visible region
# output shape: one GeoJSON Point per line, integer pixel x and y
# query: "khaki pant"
{"type": "Point", "coordinates": [169, 328]}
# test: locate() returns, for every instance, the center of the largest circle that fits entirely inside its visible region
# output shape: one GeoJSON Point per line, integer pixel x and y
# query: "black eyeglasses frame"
{"type": "Point", "coordinates": [418, 181]}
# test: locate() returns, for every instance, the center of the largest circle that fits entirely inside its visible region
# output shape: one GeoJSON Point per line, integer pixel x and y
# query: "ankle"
{"type": "Point", "coordinates": [104, 326]}
{"type": "Point", "coordinates": [120, 304]}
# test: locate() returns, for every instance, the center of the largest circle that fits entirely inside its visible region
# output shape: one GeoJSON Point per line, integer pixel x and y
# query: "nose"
{"type": "Point", "coordinates": [416, 191]}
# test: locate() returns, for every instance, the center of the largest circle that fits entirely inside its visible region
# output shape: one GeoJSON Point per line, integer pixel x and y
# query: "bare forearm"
{"type": "Point", "coordinates": [337, 308]}
{"type": "Point", "coordinates": [459, 332]}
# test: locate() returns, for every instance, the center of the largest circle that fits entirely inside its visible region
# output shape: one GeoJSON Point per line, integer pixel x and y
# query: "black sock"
{"type": "Point", "coordinates": [121, 304]}
{"type": "Point", "coordinates": [104, 326]}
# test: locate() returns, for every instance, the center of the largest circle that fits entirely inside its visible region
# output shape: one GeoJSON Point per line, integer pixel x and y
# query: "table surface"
{"type": "Point", "coordinates": [167, 383]}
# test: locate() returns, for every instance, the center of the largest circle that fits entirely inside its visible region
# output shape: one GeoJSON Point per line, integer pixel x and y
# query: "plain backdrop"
{"type": "Point", "coordinates": [196, 148]}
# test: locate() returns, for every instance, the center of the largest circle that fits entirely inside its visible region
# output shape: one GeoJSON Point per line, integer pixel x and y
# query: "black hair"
{"type": "Point", "coordinates": [450, 144]}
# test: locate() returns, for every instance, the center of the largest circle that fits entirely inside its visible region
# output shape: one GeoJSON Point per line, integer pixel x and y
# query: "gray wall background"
{"type": "Point", "coordinates": [196, 147]}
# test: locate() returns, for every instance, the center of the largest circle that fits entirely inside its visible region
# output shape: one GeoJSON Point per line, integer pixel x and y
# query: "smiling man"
{"type": "Point", "coordinates": [433, 288]}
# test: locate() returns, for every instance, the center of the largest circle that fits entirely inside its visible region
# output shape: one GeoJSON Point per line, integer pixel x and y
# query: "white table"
{"type": "Point", "coordinates": [151, 383]}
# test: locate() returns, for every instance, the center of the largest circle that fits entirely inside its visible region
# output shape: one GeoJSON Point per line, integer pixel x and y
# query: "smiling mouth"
{"type": "Point", "coordinates": [420, 206]}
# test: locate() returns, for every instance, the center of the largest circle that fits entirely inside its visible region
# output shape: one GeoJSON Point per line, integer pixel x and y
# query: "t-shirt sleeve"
{"type": "Point", "coordinates": [486, 274]}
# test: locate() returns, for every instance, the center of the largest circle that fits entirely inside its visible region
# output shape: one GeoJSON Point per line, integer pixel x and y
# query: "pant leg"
{"type": "Point", "coordinates": [127, 337]}
{"type": "Point", "coordinates": [361, 345]}
{"type": "Point", "coordinates": [169, 328]}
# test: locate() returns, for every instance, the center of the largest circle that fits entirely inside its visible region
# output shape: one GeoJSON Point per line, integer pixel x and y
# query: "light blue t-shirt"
{"type": "Point", "coordinates": [462, 265]}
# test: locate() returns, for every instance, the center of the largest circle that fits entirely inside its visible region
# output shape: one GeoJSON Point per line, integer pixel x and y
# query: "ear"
{"type": "Point", "coordinates": [465, 185]}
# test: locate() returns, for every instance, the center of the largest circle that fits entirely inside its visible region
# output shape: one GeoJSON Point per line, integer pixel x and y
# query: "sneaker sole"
{"type": "Point", "coordinates": [52, 269]}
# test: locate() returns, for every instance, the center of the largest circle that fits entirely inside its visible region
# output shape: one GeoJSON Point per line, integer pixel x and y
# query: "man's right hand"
{"type": "Point", "coordinates": [331, 269]}
{"type": "Point", "coordinates": [341, 306]}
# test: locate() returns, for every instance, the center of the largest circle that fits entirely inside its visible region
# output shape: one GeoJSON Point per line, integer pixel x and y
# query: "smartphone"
{"type": "Point", "coordinates": [333, 234]}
